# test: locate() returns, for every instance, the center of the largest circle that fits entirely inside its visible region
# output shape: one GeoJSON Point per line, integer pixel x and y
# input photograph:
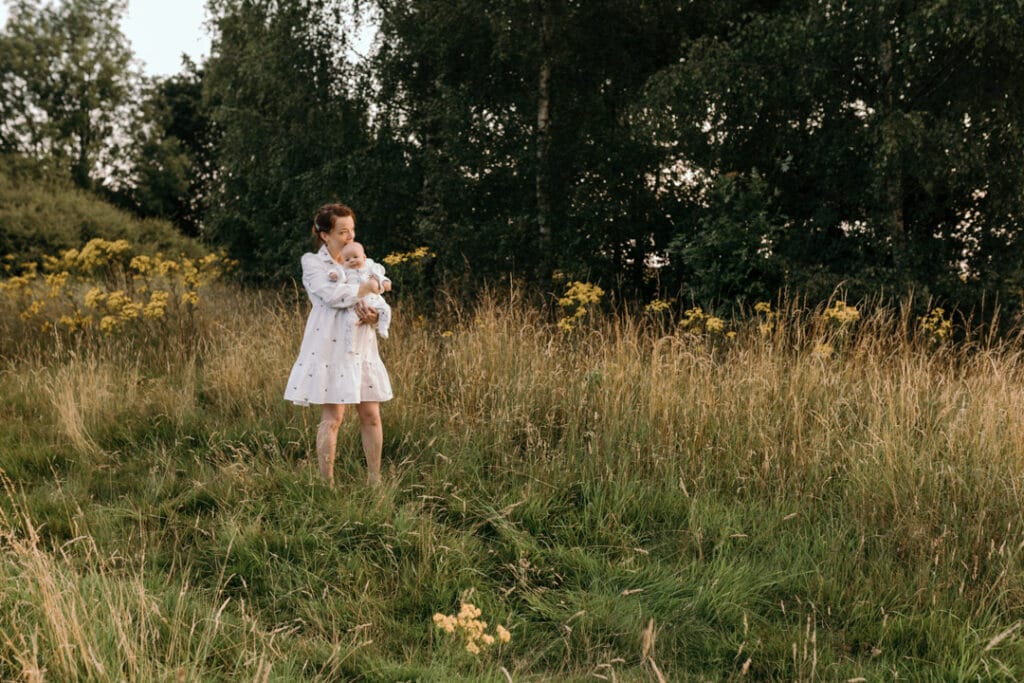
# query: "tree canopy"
{"type": "Point", "coordinates": [717, 151]}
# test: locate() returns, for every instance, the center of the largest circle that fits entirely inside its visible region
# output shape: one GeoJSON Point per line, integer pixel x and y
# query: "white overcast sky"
{"type": "Point", "coordinates": [160, 31]}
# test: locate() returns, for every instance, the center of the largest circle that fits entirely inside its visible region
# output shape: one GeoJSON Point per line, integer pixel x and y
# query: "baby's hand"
{"type": "Point", "coordinates": [387, 285]}
{"type": "Point", "coordinates": [332, 276]}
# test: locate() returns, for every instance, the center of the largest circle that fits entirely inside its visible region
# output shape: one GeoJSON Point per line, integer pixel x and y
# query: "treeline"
{"type": "Point", "coordinates": [716, 152]}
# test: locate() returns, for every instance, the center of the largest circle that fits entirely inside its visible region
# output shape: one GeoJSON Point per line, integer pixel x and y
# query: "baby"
{"type": "Point", "coordinates": [356, 268]}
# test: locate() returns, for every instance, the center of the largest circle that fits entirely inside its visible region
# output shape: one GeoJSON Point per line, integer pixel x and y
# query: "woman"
{"type": "Point", "coordinates": [330, 371]}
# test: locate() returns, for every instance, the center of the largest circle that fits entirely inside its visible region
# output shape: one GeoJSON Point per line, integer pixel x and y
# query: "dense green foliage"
{"type": "Point", "coordinates": [289, 128]}
{"type": "Point", "coordinates": [42, 212]}
{"type": "Point", "coordinates": [723, 152]}
{"type": "Point", "coordinates": [885, 138]}
{"type": "Point", "coordinates": [67, 83]}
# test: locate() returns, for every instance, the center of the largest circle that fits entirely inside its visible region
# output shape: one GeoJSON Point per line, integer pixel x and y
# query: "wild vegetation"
{"type": "Point", "coordinates": [791, 495]}
{"type": "Point", "coordinates": [707, 353]}
{"type": "Point", "coordinates": [745, 148]}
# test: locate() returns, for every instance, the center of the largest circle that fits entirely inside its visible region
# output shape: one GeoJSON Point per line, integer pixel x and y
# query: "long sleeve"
{"type": "Point", "coordinates": [332, 294]}
{"type": "Point", "coordinates": [377, 270]}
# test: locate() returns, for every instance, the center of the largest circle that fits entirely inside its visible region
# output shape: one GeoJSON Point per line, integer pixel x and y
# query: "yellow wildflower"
{"type": "Point", "coordinates": [692, 316]}
{"type": "Point", "coordinates": [657, 306]}
{"type": "Point", "coordinates": [445, 622]}
{"type": "Point", "coordinates": [190, 297]}
{"type": "Point", "coordinates": [581, 294]}
{"type": "Point", "coordinates": [937, 327]}
{"type": "Point", "coordinates": [108, 323]}
{"type": "Point", "coordinates": [446, 334]}
{"type": "Point", "coordinates": [33, 309]}
{"type": "Point", "coordinates": [731, 334]}
{"type": "Point", "coordinates": [157, 304]}
{"type": "Point", "coordinates": [131, 310]}
{"type": "Point", "coordinates": [842, 313]}
{"type": "Point", "coordinates": [18, 283]}
{"type": "Point", "coordinates": [95, 297]}
{"type": "Point", "coordinates": [822, 350]}
{"type": "Point", "coordinates": [69, 257]}
{"type": "Point", "coordinates": [714, 324]}
{"type": "Point", "coordinates": [417, 254]}
{"type": "Point", "coordinates": [763, 307]}
{"type": "Point", "coordinates": [116, 300]}
{"type": "Point", "coordinates": [56, 282]}
{"type": "Point", "coordinates": [470, 627]}
{"type": "Point", "coordinates": [166, 266]}
{"type": "Point", "coordinates": [141, 264]}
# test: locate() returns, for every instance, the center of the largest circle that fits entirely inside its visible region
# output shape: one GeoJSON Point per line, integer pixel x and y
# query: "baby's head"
{"type": "Point", "coordinates": [353, 256]}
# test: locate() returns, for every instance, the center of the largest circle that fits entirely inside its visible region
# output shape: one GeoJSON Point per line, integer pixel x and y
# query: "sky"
{"type": "Point", "coordinates": [160, 31]}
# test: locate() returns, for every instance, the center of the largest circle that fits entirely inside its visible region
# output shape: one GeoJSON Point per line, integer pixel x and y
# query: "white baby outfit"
{"type": "Point", "coordinates": [338, 360]}
{"type": "Point", "coordinates": [375, 271]}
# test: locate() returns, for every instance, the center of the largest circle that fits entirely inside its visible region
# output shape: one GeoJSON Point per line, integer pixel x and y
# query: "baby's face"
{"type": "Point", "coordinates": [353, 256]}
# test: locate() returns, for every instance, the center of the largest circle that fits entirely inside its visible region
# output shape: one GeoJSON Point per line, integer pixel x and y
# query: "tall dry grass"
{"type": "Point", "coordinates": [888, 471]}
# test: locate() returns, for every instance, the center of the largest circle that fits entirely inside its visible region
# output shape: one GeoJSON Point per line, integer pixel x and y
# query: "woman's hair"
{"type": "Point", "coordinates": [323, 220]}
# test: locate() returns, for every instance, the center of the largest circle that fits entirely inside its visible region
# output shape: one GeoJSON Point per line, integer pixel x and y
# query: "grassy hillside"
{"type": "Point", "coordinates": [633, 500]}
{"type": "Point", "coordinates": [42, 212]}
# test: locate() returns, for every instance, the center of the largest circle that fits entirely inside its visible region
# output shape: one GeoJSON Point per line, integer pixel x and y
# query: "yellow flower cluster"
{"type": "Point", "coordinates": [657, 306]}
{"type": "Point", "coordinates": [695, 318]}
{"type": "Point", "coordinates": [97, 253]}
{"type": "Point", "coordinates": [17, 284]}
{"type": "Point", "coordinates": [416, 255]}
{"type": "Point", "coordinates": [822, 350]}
{"type": "Point", "coordinates": [766, 318]}
{"type": "Point", "coordinates": [118, 287]}
{"type": "Point", "coordinates": [936, 326]}
{"type": "Point", "coordinates": [581, 295]}
{"type": "Point", "coordinates": [468, 626]}
{"type": "Point", "coordinates": [842, 313]}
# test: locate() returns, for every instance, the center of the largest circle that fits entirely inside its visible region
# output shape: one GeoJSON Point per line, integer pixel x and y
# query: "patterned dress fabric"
{"type": "Point", "coordinates": [339, 361]}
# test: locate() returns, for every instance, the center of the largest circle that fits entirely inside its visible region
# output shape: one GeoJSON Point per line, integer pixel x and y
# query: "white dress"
{"type": "Point", "coordinates": [338, 361]}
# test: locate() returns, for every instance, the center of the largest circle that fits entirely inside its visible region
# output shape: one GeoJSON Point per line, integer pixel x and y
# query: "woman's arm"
{"type": "Point", "coordinates": [316, 282]}
{"type": "Point", "coordinates": [377, 270]}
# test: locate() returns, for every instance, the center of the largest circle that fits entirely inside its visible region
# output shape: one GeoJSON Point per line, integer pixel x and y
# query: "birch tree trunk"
{"type": "Point", "coordinates": [543, 135]}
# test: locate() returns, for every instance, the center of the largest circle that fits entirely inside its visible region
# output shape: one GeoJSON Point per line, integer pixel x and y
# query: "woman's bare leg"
{"type": "Point", "coordinates": [327, 439]}
{"type": "Point", "coordinates": [373, 438]}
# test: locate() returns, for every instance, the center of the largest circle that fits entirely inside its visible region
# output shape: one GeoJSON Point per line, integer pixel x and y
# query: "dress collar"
{"type": "Point", "coordinates": [326, 255]}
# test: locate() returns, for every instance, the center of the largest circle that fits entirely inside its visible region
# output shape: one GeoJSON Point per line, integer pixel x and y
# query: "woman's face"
{"type": "Point", "coordinates": [343, 231]}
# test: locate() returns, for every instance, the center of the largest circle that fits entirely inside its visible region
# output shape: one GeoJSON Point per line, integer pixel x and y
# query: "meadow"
{"type": "Point", "coordinates": [805, 492]}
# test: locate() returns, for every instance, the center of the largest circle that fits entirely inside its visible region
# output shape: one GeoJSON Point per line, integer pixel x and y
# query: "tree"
{"type": "Point", "coordinates": [171, 152]}
{"type": "Point", "coordinates": [289, 129]}
{"type": "Point", "coordinates": [517, 115]}
{"type": "Point", "coordinates": [67, 81]}
{"type": "Point", "coordinates": [887, 134]}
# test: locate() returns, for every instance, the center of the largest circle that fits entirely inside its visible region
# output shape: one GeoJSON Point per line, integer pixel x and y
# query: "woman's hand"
{"type": "Point", "coordinates": [367, 315]}
{"type": "Point", "coordinates": [369, 287]}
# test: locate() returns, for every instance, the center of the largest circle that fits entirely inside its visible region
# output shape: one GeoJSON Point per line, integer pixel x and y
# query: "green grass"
{"type": "Point", "coordinates": [623, 501]}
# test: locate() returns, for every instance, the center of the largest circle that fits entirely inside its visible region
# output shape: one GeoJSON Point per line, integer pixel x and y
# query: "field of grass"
{"type": "Point", "coordinates": [631, 500]}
